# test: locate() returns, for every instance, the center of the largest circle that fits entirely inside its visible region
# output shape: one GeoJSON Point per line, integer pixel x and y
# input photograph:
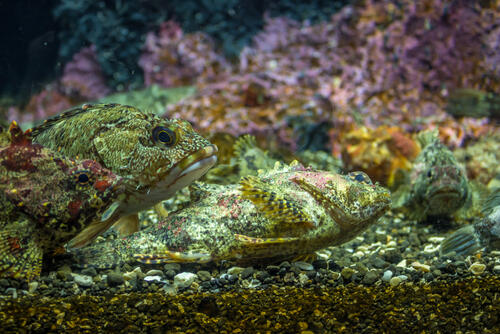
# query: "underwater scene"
{"type": "Point", "coordinates": [230, 166]}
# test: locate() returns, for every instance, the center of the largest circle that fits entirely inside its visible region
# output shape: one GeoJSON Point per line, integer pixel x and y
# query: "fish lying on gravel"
{"type": "Point", "coordinates": [45, 200]}
{"type": "Point", "coordinates": [288, 212]}
{"type": "Point", "coordinates": [155, 156]}
{"type": "Point", "coordinates": [485, 232]}
{"type": "Point", "coordinates": [437, 184]}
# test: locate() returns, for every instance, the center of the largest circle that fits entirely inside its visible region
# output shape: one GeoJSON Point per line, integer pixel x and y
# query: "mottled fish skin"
{"type": "Point", "coordinates": [438, 184]}
{"type": "Point", "coordinates": [285, 213]}
{"type": "Point", "coordinates": [483, 233]}
{"type": "Point", "coordinates": [155, 156]}
{"type": "Point", "coordinates": [45, 200]}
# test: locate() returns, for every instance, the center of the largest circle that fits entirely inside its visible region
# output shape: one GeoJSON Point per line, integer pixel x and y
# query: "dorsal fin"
{"type": "Point", "coordinates": [17, 136]}
{"type": "Point", "coordinates": [428, 137]}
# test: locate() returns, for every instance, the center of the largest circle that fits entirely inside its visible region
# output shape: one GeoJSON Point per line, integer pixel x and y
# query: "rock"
{"type": "Point", "coordinates": [395, 281]}
{"type": "Point", "coordinates": [83, 280]}
{"type": "Point", "coordinates": [204, 275]}
{"type": "Point", "coordinates": [421, 267]}
{"type": "Point", "coordinates": [272, 270]}
{"type": "Point", "coordinates": [154, 272]}
{"type": "Point", "coordinates": [247, 272]}
{"type": "Point", "coordinates": [303, 265]}
{"type": "Point", "coordinates": [115, 278]}
{"type": "Point", "coordinates": [89, 272]}
{"type": "Point", "coordinates": [32, 286]}
{"type": "Point", "coordinates": [303, 278]}
{"type": "Point", "coordinates": [235, 270]}
{"type": "Point", "coordinates": [155, 278]}
{"type": "Point", "coordinates": [370, 277]}
{"type": "Point", "coordinates": [387, 275]}
{"type": "Point", "coordinates": [184, 280]}
{"type": "Point", "coordinates": [477, 268]}
{"type": "Point", "coordinates": [11, 291]}
{"type": "Point", "coordinates": [347, 273]}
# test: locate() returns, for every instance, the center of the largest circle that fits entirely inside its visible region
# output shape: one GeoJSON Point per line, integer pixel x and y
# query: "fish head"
{"type": "Point", "coordinates": [442, 188]}
{"type": "Point", "coordinates": [158, 157]}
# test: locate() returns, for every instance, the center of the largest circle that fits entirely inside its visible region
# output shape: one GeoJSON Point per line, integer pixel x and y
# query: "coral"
{"type": "Point", "coordinates": [47, 103]}
{"type": "Point", "coordinates": [171, 58]}
{"type": "Point", "coordinates": [380, 152]}
{"type": "Point", "coordinates": [83, 78]}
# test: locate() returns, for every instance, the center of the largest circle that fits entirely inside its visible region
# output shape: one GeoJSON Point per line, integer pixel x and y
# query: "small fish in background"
{"type": "Point", "coordinates": [45, 200]}
{"type": "Point", "coordinates": [485, 232]}
{"type": "Point", "coordinates": [437, 185]}
{"type": "Point", "coordinates": [155, 156]}
{"type": "Point", "coordinates": [284, 213]}
{"type": "Point", "coordinates": [473, 103]}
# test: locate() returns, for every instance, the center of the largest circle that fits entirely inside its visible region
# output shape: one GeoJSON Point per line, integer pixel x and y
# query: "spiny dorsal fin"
{"type": "Point", "coordinates": [276, 207]}
{"type": "Point", "coordinates": [428, 137]}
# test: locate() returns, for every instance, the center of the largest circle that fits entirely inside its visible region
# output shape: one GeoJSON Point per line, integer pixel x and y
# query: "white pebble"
{"type": "Point", "coordinates": [430, 249]}
{"type": "Point", "coordinates": [154, 272]}
{"type": "Point", "coordinates": [184, 280]}
{"type": "Point", "coordinates": [402, 264]}
{"type": "Point", "coordinates": [421, 267]}
{"type": "Point", "coordinates": [303, 265]}
{"type": "Point", "coordinates": [235, 270]}
{"type": "Point", "coordinates": [359, 254]}
{"type": "Point", "coordinates": [387, 276]}
{"type": "Point", "coordinates": [83, 280]}
{"type": "Point", "coordinates": [152, 278]}
{"type": "Point", "coordinates": [477, 268]}
{"type": "Point", "coordinates": [32, 286]}
{"type": "Point", "coordinates": [303, 278]}
{"type": "Point", "coordinates": [436, 240]}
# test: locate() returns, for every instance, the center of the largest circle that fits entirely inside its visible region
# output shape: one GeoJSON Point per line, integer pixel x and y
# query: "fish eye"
{"type": "Point", "coordinates": [429, 173]}
{"type": "Point", "coordinates": [360, 177]}
{"type": "Point", "coordinates": [82, 177]}
{"type": "Point", "coordinates": [164, 135]}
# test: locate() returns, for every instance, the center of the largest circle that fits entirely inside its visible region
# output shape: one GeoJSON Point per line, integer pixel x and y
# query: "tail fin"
{"type": "Point", "coordinates": [464, 241]}
{"type": "Point", "coordinates": [20, 255]}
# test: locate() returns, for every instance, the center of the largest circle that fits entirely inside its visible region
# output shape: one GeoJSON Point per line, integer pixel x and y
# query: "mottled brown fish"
{"type": "Point", "coordinates": [437, 185]}
{"type": "Point", "coordinates": [284, 213]}
{"type": "Point", "coordinates": [45, 200]}
{"type": "Point", "coordinates": [155, 156]}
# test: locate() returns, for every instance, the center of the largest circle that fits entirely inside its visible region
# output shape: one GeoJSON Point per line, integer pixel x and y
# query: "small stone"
{"type": "Point", "coordinates": [170, 274]}
{"type": "Point", "coordinates": [477, 268]}
{"type": "Point", "coordinates": [155, 272]}
{"type": "Point", "coordinates": [184, 280]}
{"type": "Point", "coordinates": [387, 276]}
{"type": "Point", "coordinates": [303, 278]}
{"type": "Point", "coordinates": [261, 275]}
{"type": "Point", "coordinates": [235, 270]}
{"type": "Point", "coordinates": [392, 255]}
{"type": "Point", "coordinates": [402, 264]}
{"type": "Point", "coordinates": [421, 267]}
{"type": "Point", "coordinates": [32, 286]}
{"type": "Point", "coordinates": [370, 277]}
{"type": "Point", "coordinates": [172, 266]}
{"type": "Point", "coordinates": [115, 278]}
{"type": "Point", "coordinates": [83, 280]}
{"type": "Point", "coordinates": [247, 272]}
{"type": "Point", "coordinates": [89, 272]}
{"type": "Point", "coordinates": [347, 273]}
{"type": "Point", "coordinates": [204, 275]}
{"type": "Point", "coordinates": [273, 270]}
{"type": "Point", "coordinates": [496, 269]}
{"type": "Point", "coordinates": [11, 291]}
{"type": "Point", "coordinates": [155, 278]}
{"type": "Point", "coordinates": [395, 281]}
{"type": "Point", "coordinates": [303, 265]}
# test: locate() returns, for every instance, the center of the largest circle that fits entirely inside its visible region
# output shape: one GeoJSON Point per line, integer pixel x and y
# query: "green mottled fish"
{"type": "Point", "coordinates": [45, 200]}
{"type": "Point", "coordinates": [155, 156]}
{"type": "Point", "coordinates": [286, 213]}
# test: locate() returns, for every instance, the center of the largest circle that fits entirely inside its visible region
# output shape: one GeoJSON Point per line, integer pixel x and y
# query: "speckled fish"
{"type": "Point", "coordinates": [438, 184]}
{"type": "Point", "coordinates": [484, 233]}
{"type": "Point", "coordinates": [286, 213]}
{"type": "Point", "coordinates": [45, 200]}
{"type": "Point", "coordinates": [155, 156]}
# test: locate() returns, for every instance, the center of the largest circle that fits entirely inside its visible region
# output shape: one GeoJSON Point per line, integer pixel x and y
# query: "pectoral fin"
{"type": "Point", "coordinates": [173, 257]}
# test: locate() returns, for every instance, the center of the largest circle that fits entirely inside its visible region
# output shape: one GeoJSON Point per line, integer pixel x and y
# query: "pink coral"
{"type": "Point", "coordinates": [171, 58]}
{"type": "Point", "coordinates": [83, 77]}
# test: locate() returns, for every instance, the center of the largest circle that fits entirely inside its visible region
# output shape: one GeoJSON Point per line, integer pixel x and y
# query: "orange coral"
{"type": "Point", "coordinates": [380, 152]}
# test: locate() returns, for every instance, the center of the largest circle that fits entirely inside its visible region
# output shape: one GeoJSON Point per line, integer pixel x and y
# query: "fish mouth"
{"type": "Point", "coordinates": [444, 200]}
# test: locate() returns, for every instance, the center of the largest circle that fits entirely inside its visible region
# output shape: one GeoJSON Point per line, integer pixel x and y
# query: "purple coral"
{"type": "Point", "coordinates": [83, 77]}
{"type": "Point", "coordinates": [171, 58]}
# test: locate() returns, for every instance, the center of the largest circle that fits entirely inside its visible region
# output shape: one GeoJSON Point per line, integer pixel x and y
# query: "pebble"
{"type": "Point", "coordinates": [421, 267]}
{"type": "Point", "coordinates": [477, 268]}
{"type": "Point", "coordinates": [387, 276]}
{"type": "Point", "coordinates": [247, 272]}
{"type": "Point", "coordinates": [155, 278]}
{"type": "Point", "coordinates": [347, 273]}
{"type": "Point", "coordinates": [89, 272]}
{"type": "Point", "coordinates": [83, 280]}
{"type": "Point", "coordinates": [395, 281]}
{"type": "Point", "coordinates": [172, 266]}
{"type": "Point", "coordinates": [115, 278]}
{"type": "Point", "coordinates": [235, 270]}
{"type": "Point", "coordinates": [184, 280]}
{"type": "Point", "coordinates": [303, 278]}
{"type": "Point", "coordinates": [32, 286]}
{"type": "Point", "coordinates": [155, 272]}
{"type": "Point", "coordinates": [496, 269]}
{"type": "Point", "coordinates": [402, 264]}
{"type": "Point", "coordinates": [204, 275]}
{"type": "Point", "coordinates": [11, 291]}
{"type": "Point", "coordinates": [303, 265]}
{"type": "Point", "coordinates": [370, 277]}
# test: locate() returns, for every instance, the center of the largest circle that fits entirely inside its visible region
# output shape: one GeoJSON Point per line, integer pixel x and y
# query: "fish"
{"type": "Point", "coordinates": [437, 185]}
{"type": "Point", "coordinates": [45, 200]}
{"type": "Point", "coordinates": [287, 212]}
{"type": "Point", "coordinates": [468, 102]}
{"type": "Point", "coordinates": [483, 233]}
{"type": "Point", "coordinates": [155, 156]}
